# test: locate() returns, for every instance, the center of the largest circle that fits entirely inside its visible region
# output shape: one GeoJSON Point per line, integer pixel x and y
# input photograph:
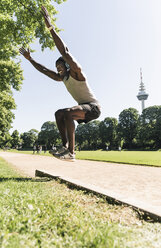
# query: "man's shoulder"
{"type": "Point", "coordinates": [77, 76]}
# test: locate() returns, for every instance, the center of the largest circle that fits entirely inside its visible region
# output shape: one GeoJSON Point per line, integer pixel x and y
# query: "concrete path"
{"type": "Point", "coordinates": [139, 186]}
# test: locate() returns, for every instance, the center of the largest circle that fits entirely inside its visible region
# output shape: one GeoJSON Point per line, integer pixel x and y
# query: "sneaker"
{"type": "Point", "coordinates": [52, 151]}
{"type": "Point", "coordinates": [59, 150]}
{"type": "Point", "coordinates": [66, 156]}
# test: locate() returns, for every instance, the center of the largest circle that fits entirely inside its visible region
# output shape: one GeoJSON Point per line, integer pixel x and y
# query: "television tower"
{"type": "Point", "coordinates": [142, 95]}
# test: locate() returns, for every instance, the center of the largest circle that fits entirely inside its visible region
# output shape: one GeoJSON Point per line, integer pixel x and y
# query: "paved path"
{"type": "Point", "coordinates": [139, 186]}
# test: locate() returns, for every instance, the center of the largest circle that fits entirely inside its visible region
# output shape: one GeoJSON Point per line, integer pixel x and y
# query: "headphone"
{"type": "Point", "coordinates": [67, 66]}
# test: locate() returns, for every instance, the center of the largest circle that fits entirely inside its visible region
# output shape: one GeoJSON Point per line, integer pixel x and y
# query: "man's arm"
{"type": "Point", "coordinates": [40, 67]}
{"type": "Point", "coordinates": [74, 66]}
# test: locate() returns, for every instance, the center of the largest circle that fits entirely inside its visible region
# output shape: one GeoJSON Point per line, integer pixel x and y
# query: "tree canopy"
{"type": "Point", "coordinates": [21, 23]}
{"type": "Point", "coordinates": [49, 134]}
{"type": "Point", "coordinates": [150, 127]}
{"type": "Point", "coordinates": [129, 131]}
{"type": "Point", "coordinates": [29, 138]}
{"type": "Point", "coordinates": [108, 132]}
{"type": "Point", "coordinates": [128, 123]}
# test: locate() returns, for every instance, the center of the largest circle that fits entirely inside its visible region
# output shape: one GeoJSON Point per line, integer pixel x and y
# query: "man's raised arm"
{"type": "Point", "coordinates": [39, 67]}
{"type": "Point", "coordinates": [60, 44]}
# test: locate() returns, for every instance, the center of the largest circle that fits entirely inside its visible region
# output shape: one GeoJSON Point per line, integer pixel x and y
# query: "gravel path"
{"type": "Point", "coordinates": [136, 185]}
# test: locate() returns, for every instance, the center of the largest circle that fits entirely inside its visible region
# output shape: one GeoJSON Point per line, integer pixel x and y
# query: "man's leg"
{"type": "Point", "coordinates": [70, 125]}
{"type": "Point", "coordinates": [60, 121]}
{"type": "Point", "coordinates": [70, 115]}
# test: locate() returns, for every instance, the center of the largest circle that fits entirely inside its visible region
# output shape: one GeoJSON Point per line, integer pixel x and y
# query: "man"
{"type": "Point", "coordinates": [70, 72]}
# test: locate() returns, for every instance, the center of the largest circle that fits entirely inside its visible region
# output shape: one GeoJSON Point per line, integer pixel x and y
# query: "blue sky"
{"type": "Point", "coordinates": [111, 39]}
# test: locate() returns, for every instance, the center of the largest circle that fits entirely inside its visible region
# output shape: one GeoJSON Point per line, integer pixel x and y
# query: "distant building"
{"type": "Point", "coordinates": [142, 95]}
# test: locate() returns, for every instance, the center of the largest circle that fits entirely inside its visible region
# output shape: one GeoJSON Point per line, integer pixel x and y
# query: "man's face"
{"type": "Point", "coordinates": [61, 68]}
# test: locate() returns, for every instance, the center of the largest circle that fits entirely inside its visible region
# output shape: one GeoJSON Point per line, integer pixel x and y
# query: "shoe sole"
{"type": "Point", "coordinates": [64, 159]}
{"type": "Point", "coordinates": [52, 153]}
{"type": "Point", "coordinates": [55, 153]}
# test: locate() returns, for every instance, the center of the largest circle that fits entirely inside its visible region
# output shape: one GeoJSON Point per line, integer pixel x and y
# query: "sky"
{"type": "Point", "coordinates": [112, 40]}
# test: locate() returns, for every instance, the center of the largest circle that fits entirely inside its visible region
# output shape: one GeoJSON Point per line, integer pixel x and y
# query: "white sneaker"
{"type": "Point", "coordinates": [66, 156]}
{"type": "Point", "coordinates": [59, 150]}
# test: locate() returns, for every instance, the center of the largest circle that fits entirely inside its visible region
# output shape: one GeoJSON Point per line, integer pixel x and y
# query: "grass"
{"type": "Point", "coordinates": [44, 213]}
{"type": "Point", "coordinates": [151, 158]}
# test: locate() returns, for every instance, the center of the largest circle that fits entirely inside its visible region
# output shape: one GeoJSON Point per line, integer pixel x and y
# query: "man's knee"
{"type": "Point", "coordinates": [63, 113]}
{"type": "Point", "coordinates": [67, 113]}
{"type": "Point", "coordinates": [59, 114]}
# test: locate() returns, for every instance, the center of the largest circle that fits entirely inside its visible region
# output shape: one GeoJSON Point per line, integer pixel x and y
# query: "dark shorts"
{"type": "Point", "coordinates": [92, 110]}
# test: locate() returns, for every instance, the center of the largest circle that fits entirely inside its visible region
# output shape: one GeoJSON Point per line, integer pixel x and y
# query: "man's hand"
{"type": "Point", "coordinates": [25, 53]}
{"type": "Point", "coordinates": [46, 16]}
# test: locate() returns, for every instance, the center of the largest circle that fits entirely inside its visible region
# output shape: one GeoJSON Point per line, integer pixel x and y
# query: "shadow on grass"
{"type": "Point", "coordinates": [24, 179]}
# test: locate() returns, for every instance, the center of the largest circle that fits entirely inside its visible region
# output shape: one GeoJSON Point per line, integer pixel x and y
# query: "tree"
{"type": "Point", "coordinates": [150, 123]}
{"type": "Point", "coordinates": [128, 124]}
{"type": "Point", "coordinates": [29, 138]}
{"type": "Point", "coordinates": [88, 134]}
{"type": "Point", "coordinates": [5, 139]}
{"type": "Point", "coordinates": [21, 23]}
{"type": "Point", "coordinates": [49, 134]}
{"type": "Point", "coordinates": [158, 129]}
{"type": "Point", "coordinates": [108, 132]}
{"type": "Point", "coordinates": [80, 135]}
{"type": "Point", "coordinates": [6, 104]}
{"type": "Point", "coordinates": [16, 140]}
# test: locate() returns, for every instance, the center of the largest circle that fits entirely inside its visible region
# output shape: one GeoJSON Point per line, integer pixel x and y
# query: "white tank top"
{"type": "Point", "coordinates": [80, 90]}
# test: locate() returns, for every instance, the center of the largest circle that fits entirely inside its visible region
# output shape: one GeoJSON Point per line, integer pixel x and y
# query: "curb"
{"type": "Point", "coordinates": [144, 214]}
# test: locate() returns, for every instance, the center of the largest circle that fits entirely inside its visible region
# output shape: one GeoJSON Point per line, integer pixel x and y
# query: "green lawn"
{"type": "Point", "coordinates": [43, 213]}
{"type": "Point", "coordinates": [129, 157]}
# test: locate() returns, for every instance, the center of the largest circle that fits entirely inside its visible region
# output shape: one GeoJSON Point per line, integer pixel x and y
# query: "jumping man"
{"type": "Point", "coordinates": [70, 72]}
